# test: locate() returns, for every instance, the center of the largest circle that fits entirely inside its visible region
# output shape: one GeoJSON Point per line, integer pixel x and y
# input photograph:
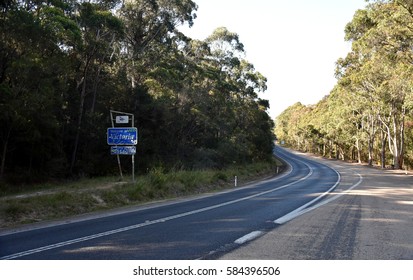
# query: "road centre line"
{"type": "Point", "coordinates": [147, 223]}
{"type": "Point", "coordinates": [295, 213]}
{"type": "Point", "coordinates": [144, 207]}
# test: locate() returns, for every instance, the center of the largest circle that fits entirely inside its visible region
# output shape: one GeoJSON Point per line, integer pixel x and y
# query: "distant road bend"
{"type": "Point", "coordinates": [201, 228]}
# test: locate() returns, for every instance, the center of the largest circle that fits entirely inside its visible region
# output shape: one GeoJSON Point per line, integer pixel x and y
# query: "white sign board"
{"type": "Point", "coordinates": [123, 150]}
{"type": "Point", "coordinates": [122, 119]}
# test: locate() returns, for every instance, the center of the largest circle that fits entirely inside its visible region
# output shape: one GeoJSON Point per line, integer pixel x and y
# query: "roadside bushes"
{"type": "Point", "coordinates": [88, 195]}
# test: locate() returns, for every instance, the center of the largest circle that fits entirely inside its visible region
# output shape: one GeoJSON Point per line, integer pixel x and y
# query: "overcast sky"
{"type": "Point", "coordinates": [295, 44]}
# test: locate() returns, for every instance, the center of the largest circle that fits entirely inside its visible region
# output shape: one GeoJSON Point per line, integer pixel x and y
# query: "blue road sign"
{"type": "Point", "coordinates": [122, 136]}
{"type": "Point", "coordinates": [123, 150]}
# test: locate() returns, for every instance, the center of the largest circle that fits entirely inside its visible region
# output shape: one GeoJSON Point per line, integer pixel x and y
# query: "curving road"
{"type": "Point", "coordinates": [369, 216]}
{"type": "Point", "coordinates": [199, 228]}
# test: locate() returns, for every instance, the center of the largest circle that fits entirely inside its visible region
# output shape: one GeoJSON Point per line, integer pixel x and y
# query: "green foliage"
{"type": "Point", "coordinates": [367, 115]}
{"type": "Point", "coordinates": [65, 64]}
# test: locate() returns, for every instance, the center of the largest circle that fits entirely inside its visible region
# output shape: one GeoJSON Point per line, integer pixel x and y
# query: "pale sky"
{"type": "Point", "coordinates": [294, 43]}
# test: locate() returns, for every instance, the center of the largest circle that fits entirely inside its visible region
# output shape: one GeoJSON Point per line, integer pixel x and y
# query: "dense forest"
{"type": "Point", "coordinates": [367, 117]}
{"type": "Point", "coordinates": [64, 64]}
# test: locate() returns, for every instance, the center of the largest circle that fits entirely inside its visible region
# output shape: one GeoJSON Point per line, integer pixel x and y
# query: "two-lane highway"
{"type": "Point", "coordinates": [185, 229]}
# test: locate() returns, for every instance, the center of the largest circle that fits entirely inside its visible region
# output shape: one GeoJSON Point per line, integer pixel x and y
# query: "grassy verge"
{"type": "Point", "coordinates": [57, 201]}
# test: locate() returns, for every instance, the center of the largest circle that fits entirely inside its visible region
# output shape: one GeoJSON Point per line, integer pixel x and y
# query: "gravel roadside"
{"type": "Point", "coordinates": [372, 221]}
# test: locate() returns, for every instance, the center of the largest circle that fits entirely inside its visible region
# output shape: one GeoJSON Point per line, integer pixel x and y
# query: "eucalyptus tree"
{"type": "Point", "coordinates": [373, 97]}
{"type": "Point", "coordinates": [65, 63]}
{"type": "Point", "coordinates": [238, 107]}
{"type": "Point", "coordinates": [101, 29]}
{"type": "Point", "coordinates": [288, 125]}
{"type": "Point", "coordinates": [395, 36]}
{"type": "Point", "coordinates": [149, 23]}
{"type": "Point", "coordinates": [382, 40]}
{"type": "Point", "coordinates": [360, 84]}
{"type": "Point", "coordinates": [36, 37]}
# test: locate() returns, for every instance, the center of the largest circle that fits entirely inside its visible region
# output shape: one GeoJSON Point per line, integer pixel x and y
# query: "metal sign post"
{"type": "Point", "coordinates": [123, 139]}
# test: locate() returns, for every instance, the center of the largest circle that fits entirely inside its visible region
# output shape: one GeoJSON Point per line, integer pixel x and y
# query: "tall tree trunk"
{"type": "Point", "coordinates": [324, 149]}
{"type": "Point", "coordinates": [358, 150]}
{"type": "Point", "coordinates": [79, 126]}
{"type": "Point", "coordinates": [402, 148]}
{"type": "Point", "coordinates": [95, 89]}
{"type": "Point", "coordinates": [3, 157]}
{"type": "Point", "coordinates": [337, 152]}
{"type": "Point", "coordinates": [398, 140]}
{"type": "Point", "coordinates": [383, 149]}
{"type": "Point", "coordinates": [370, 145]}
{"type": "Point", "coordinates": [371, 135]}
{"type": "Point", "coordinates": [80, 117]}
{"type": "Point", "coordinates": [394, 138]}
{"type": "Point", "coordinates": [395, 143]}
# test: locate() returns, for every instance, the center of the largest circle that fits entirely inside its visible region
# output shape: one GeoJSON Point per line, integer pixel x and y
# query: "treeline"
{"type": "Point", "coordinates": [64, 64]}
{"type": "Point", "coordinates": [368, 115]}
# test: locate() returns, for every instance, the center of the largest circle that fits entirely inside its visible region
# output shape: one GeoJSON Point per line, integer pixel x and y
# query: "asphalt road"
{"type": "Point", "coordinates": [205, 227]}
{"type": "Point", "coordinates": [369, 216]}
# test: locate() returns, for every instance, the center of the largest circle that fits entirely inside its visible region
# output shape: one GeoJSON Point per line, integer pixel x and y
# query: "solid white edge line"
{"type": "Point", "coordinates": [248, 237]}
{"type": "Point", "coordinates": [336, 196]}
{"type": "Point", "coordinates": [147, 207]}
{"type": "Point", "coordinates": [295, 213]}
{"type": "Point", "coordinates": [147, 223]}
{"type": "Point", "coordinates": [303, 209]}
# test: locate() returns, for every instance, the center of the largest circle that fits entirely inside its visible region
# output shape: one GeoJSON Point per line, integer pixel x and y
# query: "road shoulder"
{"type": "Point", "coordinates": [371, 221]}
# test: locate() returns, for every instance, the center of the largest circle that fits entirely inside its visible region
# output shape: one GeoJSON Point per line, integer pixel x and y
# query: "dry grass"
{"type": "Point", "coordinates": [89, 195]}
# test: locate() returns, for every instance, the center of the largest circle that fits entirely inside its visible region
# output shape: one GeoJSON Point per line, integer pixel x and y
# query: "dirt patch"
{"type": "Point", "coordinates": [371, 222]}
